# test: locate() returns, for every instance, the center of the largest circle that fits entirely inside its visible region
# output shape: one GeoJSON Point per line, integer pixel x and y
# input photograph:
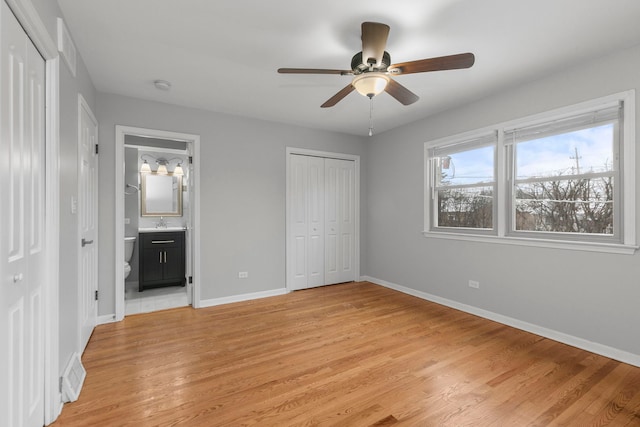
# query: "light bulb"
{"type": "Point", "coordinates": [145, 168]}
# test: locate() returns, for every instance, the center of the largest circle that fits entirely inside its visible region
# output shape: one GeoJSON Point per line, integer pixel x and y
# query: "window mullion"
{"type": "Point", "coordinates": [502, 184]}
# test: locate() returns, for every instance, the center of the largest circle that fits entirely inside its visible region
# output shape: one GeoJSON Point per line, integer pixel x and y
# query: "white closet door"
{"type": "Point", "coordinates": [298, 183]}
{"type": "Point", "coordinates": [321, 221]}
{"type": "Point", "coordinates": [339, 221]}
{"type": "Point", "coordinates": [22, 246]}
{"type": "Point", "coordinates": [315, 209]}
{"type": "Point", "coordinates": [306, 188]}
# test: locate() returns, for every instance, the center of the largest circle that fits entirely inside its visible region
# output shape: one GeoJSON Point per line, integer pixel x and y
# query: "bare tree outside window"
{"type": "Point", "coordinates": [465, 190]}
{"type": "Point", "coordinates": [569, 206]}
{"type": "Point", "coordinates": [565, 184]}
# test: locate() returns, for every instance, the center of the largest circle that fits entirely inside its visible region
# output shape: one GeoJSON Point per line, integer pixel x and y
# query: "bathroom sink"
{"type": "Point", "coordinates": [155, 230]}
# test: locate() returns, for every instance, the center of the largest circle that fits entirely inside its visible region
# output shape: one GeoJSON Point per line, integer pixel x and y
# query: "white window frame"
{"type": "Point", "coordinates": [474, 141]}
{"type": "Point", "coordinates": [626, 189]}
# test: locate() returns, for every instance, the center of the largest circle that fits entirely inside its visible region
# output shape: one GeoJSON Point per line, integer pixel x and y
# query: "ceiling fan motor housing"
{"type": "Point", "coordinates": [359, 67]}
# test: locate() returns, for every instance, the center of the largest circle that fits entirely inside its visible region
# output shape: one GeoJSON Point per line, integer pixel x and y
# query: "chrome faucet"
{"type": "Point", "coordinates": [162, 223]}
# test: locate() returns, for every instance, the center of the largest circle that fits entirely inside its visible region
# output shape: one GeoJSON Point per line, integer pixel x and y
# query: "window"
{"type": "Point", "coordinates": [567, 177]}
{"type": "Point", "coordinates": [464, 184]}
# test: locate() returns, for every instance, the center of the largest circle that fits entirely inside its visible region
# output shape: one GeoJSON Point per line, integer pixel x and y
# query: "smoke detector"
{"type": "Point", "coordinates": [162, 84]}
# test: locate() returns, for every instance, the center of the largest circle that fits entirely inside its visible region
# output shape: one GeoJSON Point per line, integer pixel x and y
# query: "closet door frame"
{"type": "Point", "coordinates": [289, 230]}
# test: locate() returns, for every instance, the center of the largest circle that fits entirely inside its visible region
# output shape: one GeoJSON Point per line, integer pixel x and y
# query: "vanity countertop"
{"type": "Point", "coordinates": [160, 230]}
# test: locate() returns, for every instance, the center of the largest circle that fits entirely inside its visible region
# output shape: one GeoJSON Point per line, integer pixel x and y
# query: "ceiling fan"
{"type": "Point", "coordinates": [372, 69]}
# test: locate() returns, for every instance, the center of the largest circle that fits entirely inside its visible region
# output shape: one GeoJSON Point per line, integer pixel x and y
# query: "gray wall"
{"type": "Point", "coordinates": [242, 191]}
{"type": "Point", "coordinates": [69, 89]}
{"type": "Point", "coordinates": [593, 296]}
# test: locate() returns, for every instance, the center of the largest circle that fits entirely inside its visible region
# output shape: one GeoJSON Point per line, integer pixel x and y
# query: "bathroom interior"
{"type": "Point", "coordinates": [157, 224]}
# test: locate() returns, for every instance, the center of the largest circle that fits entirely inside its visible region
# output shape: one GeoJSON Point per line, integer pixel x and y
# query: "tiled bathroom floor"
{"type": "Point", "coordinates": [153, 299]}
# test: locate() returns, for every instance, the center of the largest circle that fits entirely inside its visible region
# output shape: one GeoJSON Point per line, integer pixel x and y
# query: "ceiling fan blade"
{"type": "Point", "coordinates": [338, 96]}
{"type": "Point", "coordinates": [374, 41]}
{"type": "Point", "coordinates": [401, 93]}
{"type": "Point", "coordinates": [313, 71]}
{"type": "Point", "coordinates": [451, 62]}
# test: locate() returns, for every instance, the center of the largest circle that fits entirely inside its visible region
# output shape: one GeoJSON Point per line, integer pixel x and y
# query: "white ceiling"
{"type": "Point", "coordinates": [222, 55]}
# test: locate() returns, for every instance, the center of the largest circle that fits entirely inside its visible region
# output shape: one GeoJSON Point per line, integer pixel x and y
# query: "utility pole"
{"type": "Point", "coordinates": [577, 159]}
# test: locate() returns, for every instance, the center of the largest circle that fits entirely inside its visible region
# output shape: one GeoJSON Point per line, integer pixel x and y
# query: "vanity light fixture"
{"type": "Point", "coordinates": [145, 167]}
{"type": "Point", "coordinates": [163, 165]}
{"type": "Point", "coordinates": [178, 170]}
{"type": "Point", "coordinates": [162, 168]}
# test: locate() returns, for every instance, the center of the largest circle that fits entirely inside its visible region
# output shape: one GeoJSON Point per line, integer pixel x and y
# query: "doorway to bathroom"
{"type": "Point", "coordinates": [156, 219]}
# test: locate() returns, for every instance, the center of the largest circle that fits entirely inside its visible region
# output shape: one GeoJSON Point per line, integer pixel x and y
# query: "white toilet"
{"type": "Point", "coordinates": [128, 251]}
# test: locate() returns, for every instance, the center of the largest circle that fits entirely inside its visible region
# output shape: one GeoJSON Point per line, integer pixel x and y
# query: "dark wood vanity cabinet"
{"type": "Point", "coordinates": [162, 259]}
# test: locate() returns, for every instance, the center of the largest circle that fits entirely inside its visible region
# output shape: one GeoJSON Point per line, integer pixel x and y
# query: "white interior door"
{"type": "Point", "coordinates": [321, 221]}
{"type": "Point", "coordinates": [88, 220]}
{"type": "Point", "coordinates": [22, 246]}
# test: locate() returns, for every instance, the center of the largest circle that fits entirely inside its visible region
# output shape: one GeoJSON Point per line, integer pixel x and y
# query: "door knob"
{"type": "Point", "coordinates": [18, 278]}
{"type": "Point", "coordinates": [86, 242]}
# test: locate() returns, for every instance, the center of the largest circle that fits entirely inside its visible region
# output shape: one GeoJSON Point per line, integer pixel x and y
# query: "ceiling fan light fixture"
{"type": "Point", "coordinates": [370, 84]}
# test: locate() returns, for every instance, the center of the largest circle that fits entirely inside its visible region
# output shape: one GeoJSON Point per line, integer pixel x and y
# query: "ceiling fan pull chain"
{"type": "Point", "coordinates": [371, 116]}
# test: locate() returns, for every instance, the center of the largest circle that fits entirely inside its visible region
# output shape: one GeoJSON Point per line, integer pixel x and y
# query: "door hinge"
{"type": "Point", "coordinates": [96, 295]}
{"type": "Point", "coordinates": [60, 384]}
{"type": "Point", "coordinates": [190, 279]}
{"type": "Point", "coordinates": [190, 160]}
{"type": "Point", "coordinates": [97, 149]}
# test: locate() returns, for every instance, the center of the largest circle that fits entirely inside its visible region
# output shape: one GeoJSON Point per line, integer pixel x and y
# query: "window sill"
{"type": "Point", "coordinates": [613, 248]}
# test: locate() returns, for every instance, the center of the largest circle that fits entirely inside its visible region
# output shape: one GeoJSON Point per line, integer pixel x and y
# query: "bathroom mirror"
{"type": "Point", "coordinates": [161, 195]}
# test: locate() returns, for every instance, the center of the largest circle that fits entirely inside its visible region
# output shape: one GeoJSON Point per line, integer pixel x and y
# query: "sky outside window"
{"type": "Point", "coordinates": [556, 155]}
{"type": "Point", "coordinates": [469, 167]}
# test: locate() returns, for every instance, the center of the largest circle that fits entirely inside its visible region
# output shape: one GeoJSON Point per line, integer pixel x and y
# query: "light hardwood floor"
{"type": "Point", "coordinates": [350, 355]}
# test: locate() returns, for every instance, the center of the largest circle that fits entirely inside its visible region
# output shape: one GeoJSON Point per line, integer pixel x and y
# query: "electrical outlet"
{"type": "Point", "coordinates": [243, 275]}
{"type": "Point", "coordinates": [474, 284]}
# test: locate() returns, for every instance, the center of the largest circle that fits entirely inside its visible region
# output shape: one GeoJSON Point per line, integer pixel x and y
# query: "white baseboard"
{"type": "Point", "coordinates": [594, 347]}
{"type": "Point", "coordinates": [242, 297]}
{"type": "Point", "coordinates": [107, 318]}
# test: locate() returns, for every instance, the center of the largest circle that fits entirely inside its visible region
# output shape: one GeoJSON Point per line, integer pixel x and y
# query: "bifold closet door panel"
{"type": "Point", "coordinates": [307, 221]}
{"type": "Point", "coordinates": [23, 246]}
{"type": "Point", "coordinates": [298, 179]}
{"type": "Point", "coordinates": [339, 221]}
{"type": "Point", "coordinates": [315, 209]}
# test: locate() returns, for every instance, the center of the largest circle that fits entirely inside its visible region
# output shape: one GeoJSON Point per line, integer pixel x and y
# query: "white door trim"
{"type": "Point", "coordinates": [288, 230]}
{"type": "Point", "coordinates": [53, 396]}
{"type": "Point", "coordinates": [121, 132]}
{"type": "Point", "coordinates": [37, 31]}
